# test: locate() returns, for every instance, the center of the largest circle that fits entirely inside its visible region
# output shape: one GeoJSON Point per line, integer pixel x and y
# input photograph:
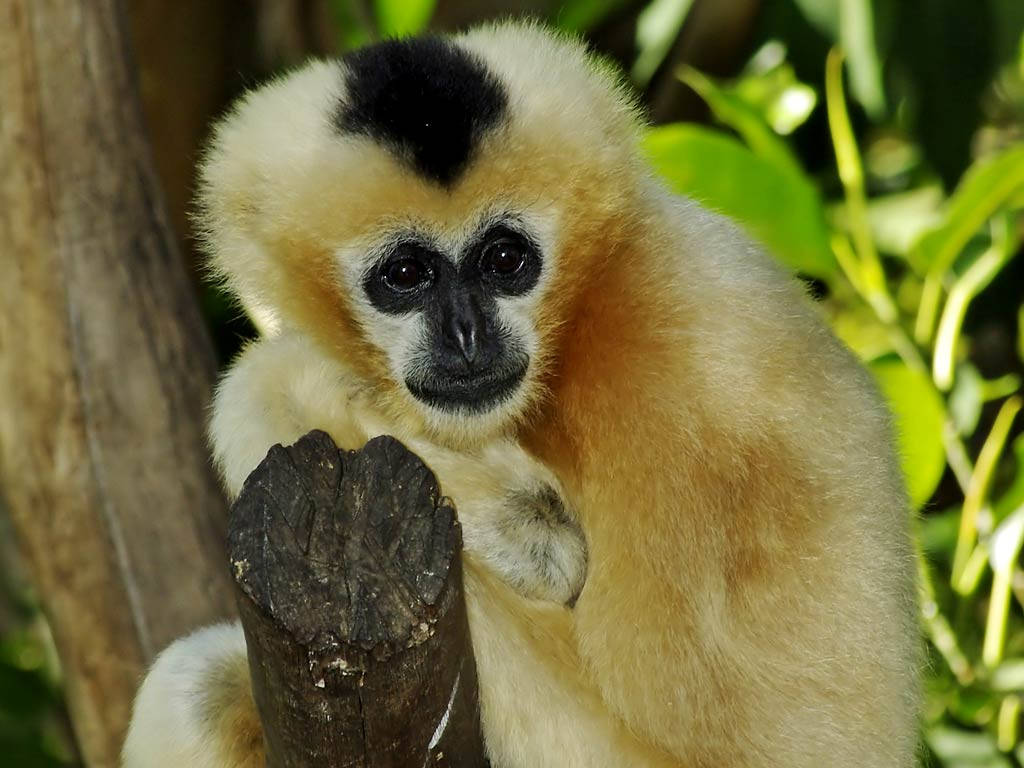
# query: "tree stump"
{"type": "Point", "coordinates": [349, 585]}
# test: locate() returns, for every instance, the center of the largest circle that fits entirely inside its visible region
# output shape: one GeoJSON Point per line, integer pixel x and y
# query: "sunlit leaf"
{"type": "Point", "coordinates": [860, 330]}
{"type": "Point", "coordinates": [851, 23]}
{"type": "Point", "coordinates": [792, 108]}
{"type": "Point", "coordinates": [399, 18]}
{"type": "Point", "coordinates": [898, 220]}
{"type": "Point", "coordinates": [769, 84]}
{"type": "Point", "coordinates": [966, 399]}
{"type": "Point", "coordinates": [857, 36]}
{"type": "Point", "coordinates": [919, 414]}
{"type": "Point", "coordinates": [1008, 676]}
{"type": "Point", "coordinates": [866, 271]}
{"type": "Point", "coordinates": [977, 491]}
{"type": "Point", "coordinates": [781, 209]}
{"type": "Point", "coordinates": [965, 749]}
{"type": "Point", "coordinates": [656, 29]}
{"type": "Point", "coordinates": [743, 117]}
{"type": "Point", "coordinates": [1004, 549]}
{"type": "Point", "coordinates": [967, 286]}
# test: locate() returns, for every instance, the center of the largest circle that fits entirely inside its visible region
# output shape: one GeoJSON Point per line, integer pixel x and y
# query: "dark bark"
{"type": "Point", "coordinates": [349, 582]}
{"type": "Point", "coordinates": [105, 367]}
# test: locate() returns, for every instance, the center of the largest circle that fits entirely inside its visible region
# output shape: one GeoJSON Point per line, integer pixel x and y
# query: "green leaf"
{"type": "Point", "coordinates": [656, 29]}
{"type": "Point", "coordinates": [581, 15]}
{"type": "Point", "coordinates": [1013, 496]}
{"type": "Point", "coordinates": [965, 749]}
{"type": "Point", "coordinates": [965, 289]}
{"type": "Point", "coordinates": [900, 219]}
{"type": "Point", "coordinates": [851, 23]}
{"type": "Point", "coordinates": [919, 415]}
{"type": "Point", "coordinates": [400, 18]}
{"type": "Point", "coordinates": [984, 189]}
{"type": "Point", "coordinates": [1008, 676]}
{"type": "Point", "coordinates": [937, 531]}
{"type": "Point", "coordinates": [1004, 550]}
{"type": "Point", "coordinates": [858, 327]}
{"type": "Point", "coordinates": [857, 36]}
{"type": "Point", "coordinates": [353, 26]}
{"type": "Point", "coordinates": [976, 496]}
{"type": "Point", "coordinates": [769, 83]}
{"type": "Point", "coordinates": [780, 208]}
{"type": "Point", "coordinates": [966, 399]}
{"type": "Point", "coordinates": [1020, 332]}
{"type": "Point", "coordinates": [743, 117]}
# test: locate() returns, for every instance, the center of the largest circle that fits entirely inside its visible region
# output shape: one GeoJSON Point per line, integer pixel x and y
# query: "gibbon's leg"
{"type": "Point", "coordinates": [195, 708]}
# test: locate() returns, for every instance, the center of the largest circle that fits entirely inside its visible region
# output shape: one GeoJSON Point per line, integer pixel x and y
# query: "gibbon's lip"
{"type": "Point", "coordinates": [477, 393]}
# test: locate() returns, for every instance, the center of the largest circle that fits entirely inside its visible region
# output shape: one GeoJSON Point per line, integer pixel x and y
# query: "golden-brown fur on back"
{"type": "Point", "coordinates": [749, 599]}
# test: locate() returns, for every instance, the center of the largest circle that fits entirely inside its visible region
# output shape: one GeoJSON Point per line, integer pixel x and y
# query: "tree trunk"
{"type": "Point", "coordinates": [105, 367]}
{"type": "Point", "coordinates": [348, 567]}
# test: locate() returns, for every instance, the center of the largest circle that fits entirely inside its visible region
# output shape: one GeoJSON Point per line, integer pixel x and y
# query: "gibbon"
{"type": "Point", "coordinates": [686, 533]}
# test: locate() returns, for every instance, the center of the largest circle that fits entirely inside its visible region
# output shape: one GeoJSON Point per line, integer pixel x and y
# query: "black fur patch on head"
{"type": "Point", "coordinates": [425, 98]}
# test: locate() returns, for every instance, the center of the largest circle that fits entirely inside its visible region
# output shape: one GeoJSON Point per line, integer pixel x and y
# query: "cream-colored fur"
{"type": "Point", "coordinates": [749, 595]}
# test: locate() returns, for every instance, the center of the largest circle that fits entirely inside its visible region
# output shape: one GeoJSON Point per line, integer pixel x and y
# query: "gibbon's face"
{"type": "Point", "coordinates": [455, 321]}
{"type": "Point", "coordinates": [427, 209]}
{"type": "Point", "coordinates": [450, 300]}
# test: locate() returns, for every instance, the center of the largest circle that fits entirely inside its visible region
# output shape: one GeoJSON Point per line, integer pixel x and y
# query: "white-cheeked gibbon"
{"type": "Point", "coordinates": [686, 535]}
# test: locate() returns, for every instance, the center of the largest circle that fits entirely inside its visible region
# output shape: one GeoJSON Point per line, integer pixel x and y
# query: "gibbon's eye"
{"type": "Point", "coordinates": [406, 274]}
{"type": "Point", "coordinates": [503, 258]}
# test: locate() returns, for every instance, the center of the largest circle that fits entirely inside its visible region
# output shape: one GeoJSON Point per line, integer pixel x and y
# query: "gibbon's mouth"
{"type": "Point", "coordinates": [477, 393]}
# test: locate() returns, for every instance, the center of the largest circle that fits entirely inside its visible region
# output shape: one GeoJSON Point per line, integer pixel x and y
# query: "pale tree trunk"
{"type": "Point", "coordinates": [105, 367]}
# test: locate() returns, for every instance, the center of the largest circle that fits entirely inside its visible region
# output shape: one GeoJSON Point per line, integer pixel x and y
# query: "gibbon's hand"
{"type": "Point", "coordinates": [515, 520]}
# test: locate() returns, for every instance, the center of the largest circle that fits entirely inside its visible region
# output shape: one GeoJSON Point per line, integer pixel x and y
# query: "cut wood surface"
{"type": "Point", "coordinates": [349, 582]}
{"type": "Point", "coordinates": [105, 367]}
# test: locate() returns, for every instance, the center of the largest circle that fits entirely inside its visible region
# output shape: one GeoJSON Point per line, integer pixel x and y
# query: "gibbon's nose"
{"type": "Point", "coordinates": [464, 330]}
